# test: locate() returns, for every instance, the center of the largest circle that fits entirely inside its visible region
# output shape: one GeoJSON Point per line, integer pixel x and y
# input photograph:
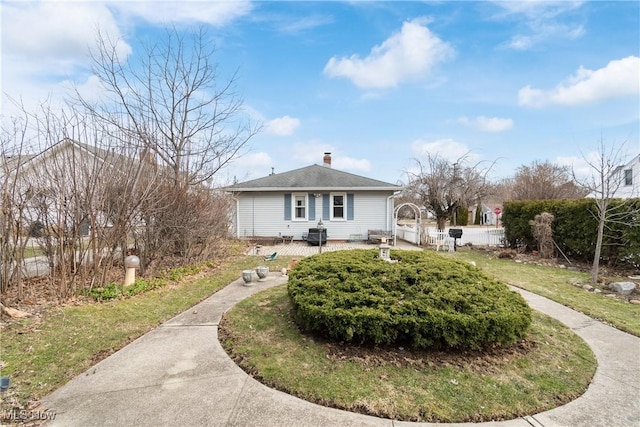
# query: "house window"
{"type": "Point", "coordinates": [300, 207]}
{"type": "Point", "coordinates": [628, 177]}
{"type": "Point", "coordinates": [338, 206]}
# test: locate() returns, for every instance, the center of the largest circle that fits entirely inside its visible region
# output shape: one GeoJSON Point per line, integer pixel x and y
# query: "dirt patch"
{"type": "Point", "coordinates": [487, 361]}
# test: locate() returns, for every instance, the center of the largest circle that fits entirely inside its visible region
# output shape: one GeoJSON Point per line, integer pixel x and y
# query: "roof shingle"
{"type": "Point", "coordinates": [313, 177]}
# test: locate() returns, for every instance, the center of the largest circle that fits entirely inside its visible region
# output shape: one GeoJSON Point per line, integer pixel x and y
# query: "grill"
{"type": "Point", "coordinates": [314, 236]}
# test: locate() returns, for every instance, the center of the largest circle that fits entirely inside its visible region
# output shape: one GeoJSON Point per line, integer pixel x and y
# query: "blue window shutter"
{"type": "Point", "coordinates": [312, 207]}
{"type": "Point", "coordinates": [326, 207]}
{"type": "Point", "coordinates": [287, 207]}
{"type": "Point", "coordinates": [349, 207]}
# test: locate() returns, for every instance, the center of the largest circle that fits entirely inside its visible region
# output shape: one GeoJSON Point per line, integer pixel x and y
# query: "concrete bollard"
{"type": "Point", "coordinates": [131, 263]}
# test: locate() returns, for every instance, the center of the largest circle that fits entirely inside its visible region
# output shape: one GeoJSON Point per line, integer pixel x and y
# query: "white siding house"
{"type": "Point", "coordinates": [290, 203]}
{"type": "Point", "coordinates": [629, 178]}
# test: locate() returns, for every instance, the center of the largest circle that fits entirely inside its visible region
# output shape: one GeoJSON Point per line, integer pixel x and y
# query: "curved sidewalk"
{"type": "Point", "coordinates": [179, 375]}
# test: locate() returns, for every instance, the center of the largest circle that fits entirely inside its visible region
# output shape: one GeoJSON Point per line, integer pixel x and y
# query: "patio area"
{"type": "Point", "coordinates": [304, 249]}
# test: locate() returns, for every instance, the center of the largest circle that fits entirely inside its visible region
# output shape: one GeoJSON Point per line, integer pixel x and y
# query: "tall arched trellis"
{"type": "Point", "coordinates": [418, 215]}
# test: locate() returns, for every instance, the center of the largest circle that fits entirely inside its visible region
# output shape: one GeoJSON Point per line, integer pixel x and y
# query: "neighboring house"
{"type": "Point", "coordinates": [623, 182]}
{"type": "Point", "coordinates": [65, 158]}
{"type": "Point", "coordinates": [487, 213]}
{"type": "Point", "coordinates": [629, 178]}
{"type": "Point", "coordinates": [290, 203]}
{"type": "Point", "coordinates": [67, 171]}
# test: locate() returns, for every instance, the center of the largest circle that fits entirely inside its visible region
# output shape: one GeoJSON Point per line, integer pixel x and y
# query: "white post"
{"type": "Point", "coordinates": [131, 263]}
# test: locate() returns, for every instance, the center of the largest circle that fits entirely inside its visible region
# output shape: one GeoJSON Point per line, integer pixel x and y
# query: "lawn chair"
{"type": "Point", "coordinates": [271, 257]}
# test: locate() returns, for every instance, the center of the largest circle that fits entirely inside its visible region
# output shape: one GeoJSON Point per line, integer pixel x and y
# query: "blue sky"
{"type": "Point", "coordinates": [377, 84]}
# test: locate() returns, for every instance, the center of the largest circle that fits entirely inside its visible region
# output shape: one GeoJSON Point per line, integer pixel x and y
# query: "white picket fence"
{"type": "Point", "coordinates": [485, 236]}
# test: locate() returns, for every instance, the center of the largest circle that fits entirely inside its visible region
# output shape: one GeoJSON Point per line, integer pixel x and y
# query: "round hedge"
{"type": "Point", "coordinates": [421, 300]}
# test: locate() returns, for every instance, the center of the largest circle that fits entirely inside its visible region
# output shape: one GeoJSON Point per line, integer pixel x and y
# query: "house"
{"type": "Point", "coordinates": [58, 186]}
{"type": "Point", "coordinates": [291, 203]}
{"type": "Point", "coordinates": [488, 215]}
{"type": "Point", "coordinates": [628, 177]}
{"type": "Point", "coordinates": [623, 182]}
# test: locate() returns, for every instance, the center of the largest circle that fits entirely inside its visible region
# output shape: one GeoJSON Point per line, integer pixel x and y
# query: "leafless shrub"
{"type": "Point", "coordinates": [543, 234]}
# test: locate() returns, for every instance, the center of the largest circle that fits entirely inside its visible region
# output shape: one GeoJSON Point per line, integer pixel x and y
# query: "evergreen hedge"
{"type": "Point", "coordinates": [575, 228]}
{"type": "Point", "coordinates": [421, 300]}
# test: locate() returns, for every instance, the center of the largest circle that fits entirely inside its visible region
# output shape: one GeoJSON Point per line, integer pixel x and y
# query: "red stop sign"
{"type": "Point", "coordinates": [497, 211]}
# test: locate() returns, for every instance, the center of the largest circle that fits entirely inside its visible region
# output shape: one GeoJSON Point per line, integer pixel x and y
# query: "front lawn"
{"type": "Point", "coordinates": [558, 284]}
{"type": "Point", "coordinates": [42, 353]}
{"type": "Point", "coordinates": [550, 367]}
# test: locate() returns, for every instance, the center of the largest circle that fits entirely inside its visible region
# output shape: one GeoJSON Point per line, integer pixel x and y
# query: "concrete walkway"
{"type": "Point", "coordinates": [179, 375]}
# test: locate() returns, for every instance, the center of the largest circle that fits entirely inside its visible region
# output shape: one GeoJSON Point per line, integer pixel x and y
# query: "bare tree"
{"type": "Point", "coordinates": [605, 181]}
{"type": "Point", "coordinates": [443, 187]}
{"type": "Point", "coordinates": [170, 104]}
{"type": "Point", "coordinates": [544, 180]}
{"type": "Point", "coordinates": [14, 199]}
{"type": "Point", "coordinates": [172, 101]}
{"type": "Point", "coordinates": [130, 172]}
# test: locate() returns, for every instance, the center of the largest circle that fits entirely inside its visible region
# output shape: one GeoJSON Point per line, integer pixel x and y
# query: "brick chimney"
{"type": "Point", "coordinates": [326, 160]}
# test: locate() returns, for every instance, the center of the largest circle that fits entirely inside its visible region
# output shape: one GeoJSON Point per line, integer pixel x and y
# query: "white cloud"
{"type": "Point", "coordinates": [300, 24]}
{"type": "Point", "coordinates": [618, 78]}
{"type": "Point", "coordinates": [447, 149]}
{"type": "Point", "coordinates": [53, 30]}
{"type": "Point", "coordinates": [46, 44]}
{"type": "Point", "coordinates": [487, 124]}
{"type": "Point", "coordinates": [351, 164]}
{"type": "Point", "coordinates": [246, 167]}
{"type": "Point", "coordinates": [543, 20]}
{"type": "Point", "coordinates": [91, 89]}
{"type": "Point", "coordinates": [256, 160]}
{"type": "Point", "coordinates": [193, 11]}
{"type": "Point", "coordinates": [282, 126]}
{"type": "Point", "coordinates": [409, 54]}
{"type": "Point", "coordinates": [579, 165]}
{"type": "Point", "coordinates": [312, 152]}
{"type": "Point", "coordinates": [537, 9]}
{"type": "Point", "coordinates": [542, 32]}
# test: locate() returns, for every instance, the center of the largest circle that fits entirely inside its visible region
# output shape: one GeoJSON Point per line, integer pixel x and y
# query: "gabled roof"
{"type": "Point", "coordinates": [26, 160]}
{"type": "Point", "coordinates": [313, 178]}
{"type": "Point", "coordinates": [71, 148]}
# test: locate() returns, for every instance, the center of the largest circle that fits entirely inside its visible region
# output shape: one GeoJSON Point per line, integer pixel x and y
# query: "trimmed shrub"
{"type": "Point", "coordinates": [575, 228]}
{"type": "Point", "coordinates": [421, 300]}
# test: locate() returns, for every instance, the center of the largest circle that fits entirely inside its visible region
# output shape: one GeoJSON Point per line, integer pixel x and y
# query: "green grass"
{"type": "Point", "coordinates": [557, 284]}
{"type": "Point", "coordinates": [40, 355]}
{"type": "Point", "coordinates": [260, 334]}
